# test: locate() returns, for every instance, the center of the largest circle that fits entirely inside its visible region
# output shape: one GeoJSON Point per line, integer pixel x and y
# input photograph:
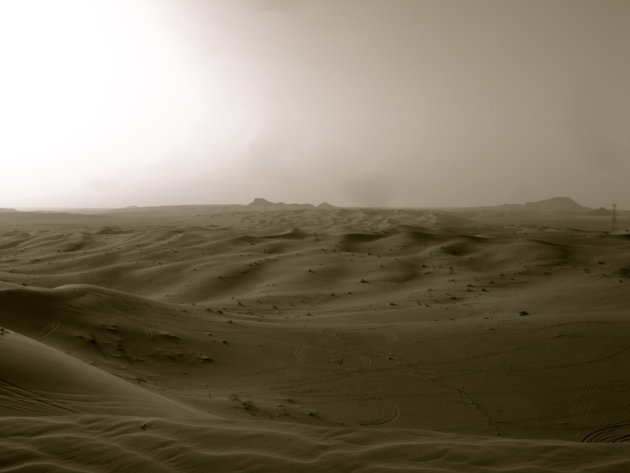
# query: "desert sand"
{"type": "Point", "coordinates": [273, 337]}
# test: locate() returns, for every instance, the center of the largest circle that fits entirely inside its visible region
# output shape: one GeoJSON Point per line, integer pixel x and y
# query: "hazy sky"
{"type": "Point", "coordinates": [356, 102]}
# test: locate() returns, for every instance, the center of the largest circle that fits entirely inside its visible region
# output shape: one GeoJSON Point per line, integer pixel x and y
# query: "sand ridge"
{"type": "Point", "coordinates": [130, 443]}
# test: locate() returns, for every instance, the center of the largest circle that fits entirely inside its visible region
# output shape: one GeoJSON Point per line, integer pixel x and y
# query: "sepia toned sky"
{"type": "Point", "coordinates": [108, 103]}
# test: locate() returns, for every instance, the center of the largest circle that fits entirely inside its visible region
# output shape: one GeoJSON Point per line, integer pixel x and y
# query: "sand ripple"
{"type": "Point", "coordinates": [136, 444]}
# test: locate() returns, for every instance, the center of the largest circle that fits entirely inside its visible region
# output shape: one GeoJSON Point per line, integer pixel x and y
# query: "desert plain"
{"type": "Point", "coordinates": [275, 337]}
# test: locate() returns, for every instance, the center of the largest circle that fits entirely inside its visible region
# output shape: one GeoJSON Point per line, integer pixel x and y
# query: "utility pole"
{"type": "Point", "coordinates": [614, 219]}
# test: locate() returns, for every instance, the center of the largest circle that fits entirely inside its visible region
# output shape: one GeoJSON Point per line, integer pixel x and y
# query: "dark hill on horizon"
{"type": "Point", "coordinates": [260, 203]}
{"type": "Point", "coordinates": [556, 204]}
{"type": "Point", "coordinates": [552, 205]}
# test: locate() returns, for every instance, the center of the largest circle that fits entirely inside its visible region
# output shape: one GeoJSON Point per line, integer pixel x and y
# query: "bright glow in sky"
{"type": "Point", "coordinates": [370, 102]}
{"type": "Point", "coordinates": [92, 90]}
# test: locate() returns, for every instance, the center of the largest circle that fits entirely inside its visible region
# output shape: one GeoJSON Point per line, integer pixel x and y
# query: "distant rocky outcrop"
{"type": "Point", "coordinates": [326, 206]}
{"type": "Point", "coordinates": [553, 205]}
{"type": "Point", "coordinates": [556, 204]}
{"type": "Point", "coordinates": [259, 202]}
{"type": "Point", "coordinates": [263, 204]}
{"type": "Point", "coordinates": [7, 210]}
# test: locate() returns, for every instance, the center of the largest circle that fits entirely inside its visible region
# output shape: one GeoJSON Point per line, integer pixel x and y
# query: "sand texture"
{"type": "Point", "coordinates": [298, 338]}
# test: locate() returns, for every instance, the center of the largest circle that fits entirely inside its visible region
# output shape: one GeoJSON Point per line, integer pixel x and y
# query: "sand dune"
{"type": "Point", "coordinates": [39, 380]}
{"type": "Point", "coordinates": [305, 339]}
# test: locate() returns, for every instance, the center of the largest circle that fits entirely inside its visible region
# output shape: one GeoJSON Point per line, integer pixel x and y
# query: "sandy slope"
{"type": "Point", "coordinates": [332, 340]}
{"type": "Point", "coordinates": [130, 444]}
{"type": "Point", "coordinates": [39, 380]}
